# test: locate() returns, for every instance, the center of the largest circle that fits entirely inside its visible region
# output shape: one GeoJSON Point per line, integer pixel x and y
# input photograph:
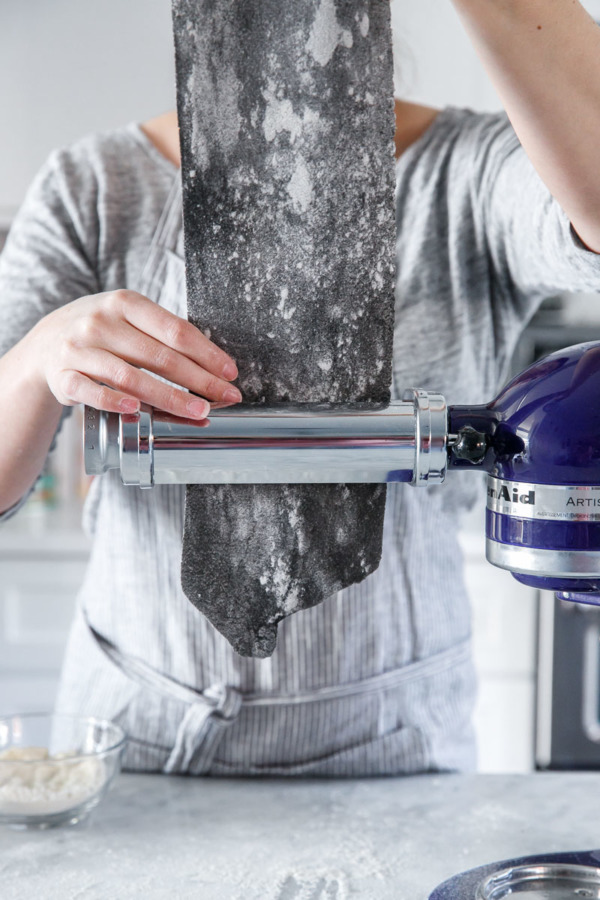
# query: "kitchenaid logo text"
{"type": "Point", "coordinates": [549, 502]}
{"type": "Point", "coordinates": [511, 496]}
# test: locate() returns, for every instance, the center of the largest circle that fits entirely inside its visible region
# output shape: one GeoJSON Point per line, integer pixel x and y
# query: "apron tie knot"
{"type": "Point", "coordinates": [201, 729]}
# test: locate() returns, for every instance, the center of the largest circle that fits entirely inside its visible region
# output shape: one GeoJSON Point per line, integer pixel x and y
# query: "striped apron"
{"type": "Point", "coordinates": [376, 680]}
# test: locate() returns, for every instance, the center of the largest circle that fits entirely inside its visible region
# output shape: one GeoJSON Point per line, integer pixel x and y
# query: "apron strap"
{"type": "Point", "coordinates": [165, 236]}
{"type": "Point", "coordinates": [209, 712]}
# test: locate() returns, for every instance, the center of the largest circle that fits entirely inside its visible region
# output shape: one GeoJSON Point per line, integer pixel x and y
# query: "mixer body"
{"type": "Point", "coordinates": [543, 460]}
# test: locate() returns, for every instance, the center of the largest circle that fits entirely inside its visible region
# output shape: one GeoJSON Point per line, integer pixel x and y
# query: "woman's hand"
{"type": "Point", "coordinates": [94, 349]}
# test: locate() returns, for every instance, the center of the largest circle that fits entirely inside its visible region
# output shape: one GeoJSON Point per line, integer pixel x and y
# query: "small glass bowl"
{"type": "Point", "coordinates": [84, 756]}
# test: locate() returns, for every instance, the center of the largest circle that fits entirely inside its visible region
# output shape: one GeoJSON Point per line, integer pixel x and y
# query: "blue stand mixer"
{"type": "Point", "coordinates": [539, 441]}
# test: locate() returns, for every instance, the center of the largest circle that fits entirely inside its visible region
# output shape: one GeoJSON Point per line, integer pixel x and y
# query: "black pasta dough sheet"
{"type": "Point", "coordinates": [275, 549]}
{"type": "Point", "coordinates": [287, 125]}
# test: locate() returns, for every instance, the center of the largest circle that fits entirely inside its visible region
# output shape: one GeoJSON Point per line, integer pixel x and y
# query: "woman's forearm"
{"type": "Point", "coordinates": [544, 59]}
{"type": "Point", "coordinates": [30, 415]}
{"type": "Point", "coordinates": [104, 351]}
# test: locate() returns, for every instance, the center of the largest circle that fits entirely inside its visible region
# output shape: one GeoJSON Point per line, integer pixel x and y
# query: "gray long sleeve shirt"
{"type": "Point", "coordinates": [377, 679]}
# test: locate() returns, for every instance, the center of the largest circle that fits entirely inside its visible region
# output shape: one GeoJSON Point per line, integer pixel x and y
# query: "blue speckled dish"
{"type": "Point", "coordinates": [467, 885]}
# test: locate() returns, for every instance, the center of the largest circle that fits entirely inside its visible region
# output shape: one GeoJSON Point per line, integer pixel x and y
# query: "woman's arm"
{"type": "Point", "coordinates": [63, 341]}
{"type": "Point", "coordinates": [544, 59]}
{"type": "Point", "coordinates": [100, 350]}
{"type": "Point", "coordinates": [31, 414]}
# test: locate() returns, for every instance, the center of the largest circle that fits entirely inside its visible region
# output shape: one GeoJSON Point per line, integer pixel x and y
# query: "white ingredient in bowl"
{"type": "Point", "coordinates": [38, 784]}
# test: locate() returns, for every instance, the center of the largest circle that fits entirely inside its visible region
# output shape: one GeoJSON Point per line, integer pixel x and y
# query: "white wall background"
{"type": "Point", "coordinates": [68, 67]}
{"type": "Point", "coordinates": [435, 62]}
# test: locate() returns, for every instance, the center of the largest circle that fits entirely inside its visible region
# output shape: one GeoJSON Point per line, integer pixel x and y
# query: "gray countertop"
{"type": "Point", "coordinates": [178, 838]}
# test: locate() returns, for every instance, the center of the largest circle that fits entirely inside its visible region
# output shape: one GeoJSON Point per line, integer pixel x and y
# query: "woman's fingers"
{"type": "Point", "coordinates": [75, 387]}
{"type": "Point", "coordinates": [108, 339]}
{"type": "Point", "coordinates": [144, 351]}
{"type": "Point", "coordinates": [123, 386]}
{"type": "Point", "coordinates": [177, 333]}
